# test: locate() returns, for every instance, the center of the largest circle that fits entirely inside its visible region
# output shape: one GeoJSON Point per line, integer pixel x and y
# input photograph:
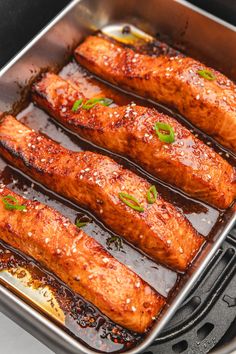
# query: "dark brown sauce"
{"type": "Point", "coordinates": [82, 319]}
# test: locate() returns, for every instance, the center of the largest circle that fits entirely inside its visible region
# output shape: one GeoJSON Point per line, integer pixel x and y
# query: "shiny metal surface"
{"type": "Point", "coordinates": [177, 19]}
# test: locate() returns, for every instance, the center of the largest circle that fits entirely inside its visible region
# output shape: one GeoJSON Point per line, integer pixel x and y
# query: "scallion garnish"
{"type": "Point", "coordinates": [11, 203]}
{"type": "Point", "coordinates": [82, 221]}
{"type": "Point", "coordinates": [207, 74]}
{"type": "Point", "coordinates": [77, 105]}
{"type": "Point", "coordinates": [131, 201]}
{"type": "Point", "coordinates": [93, 101]}
{"type": "Point", "coordinates": [152, 195]}
{"type": "Point", "coordinates": [117, 241]}
{"type": "Point", "coordinates": [169, 136]}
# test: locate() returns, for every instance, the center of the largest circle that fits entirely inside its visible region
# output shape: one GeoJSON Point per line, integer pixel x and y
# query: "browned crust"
{"type": "Point", "coordinates": [210, 105]}
{"type": "Point", "coordinates": [81, 262]}
{"type": "Point", "coordinates": [187, 163]}
{"type": "Point", "coordinates": [95, 181]}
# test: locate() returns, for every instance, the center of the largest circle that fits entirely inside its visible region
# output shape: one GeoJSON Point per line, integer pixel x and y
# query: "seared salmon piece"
{"type": "Point", "coordinates": [201, 94]}
{"type": "Point", "coordinates": [80, 261]}
{"type": "Point", "coordinates": [187, 163]}
{"type": "Point", "coordinates": [100, 184]}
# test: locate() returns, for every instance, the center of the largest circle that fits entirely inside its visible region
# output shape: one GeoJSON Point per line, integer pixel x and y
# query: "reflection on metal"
{"type": "Point", "coordinates": [20, 281]}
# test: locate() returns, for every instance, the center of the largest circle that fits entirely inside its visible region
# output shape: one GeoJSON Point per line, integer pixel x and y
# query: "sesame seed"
{"type": "Point", "coordinates": [47, 240]}
{"type": "Point", "coordinates": [43, 160]}
{"type": "Point", "coordinates": [133, 308]}
{"type": "Point", "coordinates": [127, 301]}
{"type": "Point", "coordinates": [105, 260]}
{"type": "Point", "coordinates": [138, 284]}
{"type": "Point", "coordinates": [30, 234]}
{"type": "Point", "coordinates": [197, 97]}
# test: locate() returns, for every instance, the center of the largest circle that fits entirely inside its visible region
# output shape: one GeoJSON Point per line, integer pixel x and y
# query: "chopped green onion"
{"type": "Point", "coordinates": [124, 197]}
{"type": "Point", "coordinates": [12, 206]}
{"type": "Point", "coordinates": [77, 105]}
{"type": "Point", "coordinates": [169, 136]}
{"type": "Point", "coordinates": [93, 101]}
{"type": "Point", "coordinates": [152, 195]}
{"type": "Point", "coordinates": [80, 223]}
{"type": "Point", "coordinates": [207, 74]}
{"type": "Point", "coordinates": [117, 241]}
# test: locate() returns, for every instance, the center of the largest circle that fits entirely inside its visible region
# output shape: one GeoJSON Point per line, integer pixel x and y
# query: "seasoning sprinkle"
{"type": "Point", "coordinates": [131, 201]}
{"type": "Point", "coordinates": [12, 206]}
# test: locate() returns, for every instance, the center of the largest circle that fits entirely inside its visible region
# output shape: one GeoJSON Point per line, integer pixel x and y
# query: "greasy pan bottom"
{"type": "Point", "coordinates": [44, 291]}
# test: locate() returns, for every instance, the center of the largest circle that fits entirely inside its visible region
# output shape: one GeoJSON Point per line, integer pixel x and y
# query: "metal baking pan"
{"type": "Point", "coordinates": [188, 27]}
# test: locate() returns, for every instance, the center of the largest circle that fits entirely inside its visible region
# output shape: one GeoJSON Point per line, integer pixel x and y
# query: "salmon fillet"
{"type": "Point", "coordinates": [80, 261]}
{"type": "Point", "coordinates": [187, 163]}
{"type": "Point", "coordinates": [95, 181]}
{"type": "Point", "coordinates": [174, 81]}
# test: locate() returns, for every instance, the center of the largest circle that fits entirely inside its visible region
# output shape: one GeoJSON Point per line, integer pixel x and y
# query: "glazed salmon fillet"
{"type": "Point", "coordinates": [80, 261]}
{"type": "Point", "coordinates": [207, 101]}
{"type": "Point", "coordinates": [100, 184]}
{"type": "Point", "coordinates": [187, 163]}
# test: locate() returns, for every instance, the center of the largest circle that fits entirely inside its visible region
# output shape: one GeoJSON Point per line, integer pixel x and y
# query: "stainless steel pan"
{"type": "Point", "coordinates": [203, 35]}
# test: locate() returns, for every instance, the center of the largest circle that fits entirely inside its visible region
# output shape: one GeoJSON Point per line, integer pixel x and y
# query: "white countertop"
{"type": "Point", "coordinates": [15, 340]}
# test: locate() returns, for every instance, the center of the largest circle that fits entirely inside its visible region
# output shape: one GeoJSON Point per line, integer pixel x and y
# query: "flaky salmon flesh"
{"type": "Point", "coordinates": [81, 262]}
{"type": "Point", "coordinates": [201, 94]}
{"type": "Point", "coordinates": [100, 184]}
{"type": "Point", "coordinates": [187, 163]}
